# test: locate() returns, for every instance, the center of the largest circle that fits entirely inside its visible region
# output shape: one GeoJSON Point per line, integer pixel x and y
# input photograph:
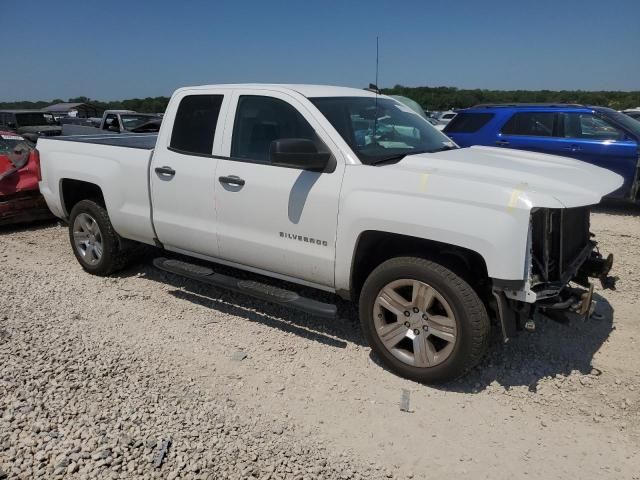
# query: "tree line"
{"type": "Point", "coordinates": [444, 98]}
{"type": "Point", "coordinates": [430, 98]}
{"type": "Point", "coordinates": [142, 105]}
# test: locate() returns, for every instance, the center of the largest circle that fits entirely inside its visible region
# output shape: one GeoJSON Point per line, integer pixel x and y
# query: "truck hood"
{"type": "Point", "coordinates": [539, 179]}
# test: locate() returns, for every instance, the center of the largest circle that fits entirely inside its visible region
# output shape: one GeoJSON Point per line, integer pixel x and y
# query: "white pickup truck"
{"type": "Point", "coordinates": [349, 192]}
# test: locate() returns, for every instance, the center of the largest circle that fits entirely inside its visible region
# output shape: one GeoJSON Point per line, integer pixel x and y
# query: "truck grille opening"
{"type": "Point", "coordinates": [559, 236]}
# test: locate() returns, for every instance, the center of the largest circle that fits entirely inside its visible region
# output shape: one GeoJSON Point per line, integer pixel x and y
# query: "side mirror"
{"type": "Point", "coordinates": [113, 128]}
{"type": "Point", "coordinates": [298, 153]}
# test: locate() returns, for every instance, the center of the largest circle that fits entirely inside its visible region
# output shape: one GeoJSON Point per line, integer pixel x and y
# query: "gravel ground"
{"type": "Point", "coordinates": [96, 372]}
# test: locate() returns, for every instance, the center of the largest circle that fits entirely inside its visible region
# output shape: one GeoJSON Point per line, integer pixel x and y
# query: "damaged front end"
{"type": "Point", "coordinates": [562, 257]}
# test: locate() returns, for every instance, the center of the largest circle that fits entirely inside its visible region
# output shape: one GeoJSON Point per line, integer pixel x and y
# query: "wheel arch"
{"type": "Point", "coordinates": [374, 247]}
{"type": "Point", "coordinates": [73, 191]}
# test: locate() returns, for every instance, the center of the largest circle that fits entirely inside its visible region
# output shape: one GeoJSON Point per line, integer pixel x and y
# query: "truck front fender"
{"type": "Point", "coordinates": [497, 233]}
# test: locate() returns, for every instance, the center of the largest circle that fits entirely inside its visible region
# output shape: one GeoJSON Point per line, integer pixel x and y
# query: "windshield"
{"type": "Point", "coordinates": [385, 132]}
{"type": "Point", "coordinates": [632, 125]}
{"type": "Point", "coordinates": [412, 104]}
{"type": "Point", "coordinates": [31, 119]}
{"type": "Point", "coordinates": [132, 121]}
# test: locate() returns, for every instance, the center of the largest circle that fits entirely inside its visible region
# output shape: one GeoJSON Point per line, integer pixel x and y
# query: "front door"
{"type": "Point", "coordinates": [182, 174]}
{"type": "Point", "coordinates": [280, 220]}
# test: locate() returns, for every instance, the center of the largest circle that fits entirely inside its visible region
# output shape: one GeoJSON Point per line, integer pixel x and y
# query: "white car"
{"type": "Point", "coordinates": [633, 113]}
{"type": "Point", "coordinates": [348, 192]}
{"type": "Point", "coordinates": [446, 117]}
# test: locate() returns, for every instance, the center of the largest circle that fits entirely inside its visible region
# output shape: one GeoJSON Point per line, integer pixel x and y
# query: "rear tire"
{"type": "Point", "coordinates": [95, 243]}
{"type": "Point", "coordinates": [424, 321]}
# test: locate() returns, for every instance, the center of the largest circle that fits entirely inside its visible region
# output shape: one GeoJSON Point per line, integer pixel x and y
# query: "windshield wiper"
{"type": "Point", "coordinates": [397, 158]}
{"type": "Point", "coordinates": [444, 148]}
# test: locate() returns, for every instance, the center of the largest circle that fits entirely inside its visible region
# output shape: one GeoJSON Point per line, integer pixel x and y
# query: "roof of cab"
{"type": "Point", "coordinates": [305, 90]}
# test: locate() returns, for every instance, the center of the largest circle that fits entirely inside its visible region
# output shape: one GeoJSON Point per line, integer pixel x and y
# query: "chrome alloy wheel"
{"type": "Point", "coordinates": [415, 323]}
{"type": "Point", "coordinates": [87, 238]}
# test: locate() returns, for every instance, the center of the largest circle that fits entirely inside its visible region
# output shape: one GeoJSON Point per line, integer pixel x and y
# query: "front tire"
{"type": "Point", "coordinates": [424, 321]}
{"type": "Point", "coordinates": [96, 245]}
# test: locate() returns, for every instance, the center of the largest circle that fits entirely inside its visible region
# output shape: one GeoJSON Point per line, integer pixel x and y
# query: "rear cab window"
{"type": "Point", "coordinates": [110, 121]}
{"type": "Point", "coordinates": [194, 127]}
{"type": "Point", "coordinates": [468, 122]}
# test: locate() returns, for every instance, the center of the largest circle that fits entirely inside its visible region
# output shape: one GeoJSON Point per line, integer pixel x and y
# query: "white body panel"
{"type": "Point", "coordinates": [271, 221]}
{"type": "Point", "coordinates": [184, 209]}
{"type": "Point", "coordinates": [121, 173]}
{"type": "Point", "coordinates": [478, 198]}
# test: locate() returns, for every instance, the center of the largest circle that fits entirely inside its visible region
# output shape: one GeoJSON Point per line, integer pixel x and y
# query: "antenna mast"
{"type": "Point", "coordinates": [375, 118]}
{"type": "Point", "coordinates": [377, 57]}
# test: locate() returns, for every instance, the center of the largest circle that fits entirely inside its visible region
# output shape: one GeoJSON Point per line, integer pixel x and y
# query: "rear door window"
{"type": "Point", "coordinates": [194, 127]}
{"type": "Point", "coordinates": [110, 121]}
{"type": "Point", "coordinates": [589, 126]}
{"type": "Point", "coordinates": [535, 124]}
{"type": "Point", "coordinates": [468, 122]}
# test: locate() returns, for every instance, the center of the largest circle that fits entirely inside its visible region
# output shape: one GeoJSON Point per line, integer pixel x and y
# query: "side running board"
{"type": "Point", "coordinates": [259, 290]}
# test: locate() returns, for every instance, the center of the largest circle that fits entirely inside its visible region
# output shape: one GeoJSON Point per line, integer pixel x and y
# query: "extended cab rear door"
{"type": "Point", "coordinates": [271, 218]}
{"type": "Point", "coordinates": [182, 173]}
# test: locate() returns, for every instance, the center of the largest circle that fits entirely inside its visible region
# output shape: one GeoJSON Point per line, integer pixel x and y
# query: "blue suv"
{"type": "Point", "coordinates": [597, 135]}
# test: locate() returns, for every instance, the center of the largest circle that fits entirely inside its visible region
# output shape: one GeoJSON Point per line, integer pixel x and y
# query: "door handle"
{"type": "Point", "coordinates": [166, 171]}
{"type": "Point", "coordinates": [502, 143]}
{"type": "Point", "coordinates": [573, 148]}
{"type": "Point", "coordinates": [232, 180]}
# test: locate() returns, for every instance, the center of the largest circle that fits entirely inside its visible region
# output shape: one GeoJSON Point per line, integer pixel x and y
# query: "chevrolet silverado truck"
{"type": "Point", "coordinates": [345, 191]}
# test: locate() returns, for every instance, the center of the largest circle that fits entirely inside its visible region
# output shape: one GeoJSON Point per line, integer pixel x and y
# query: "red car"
{"type": "Point", "coordinates": [20, 199]}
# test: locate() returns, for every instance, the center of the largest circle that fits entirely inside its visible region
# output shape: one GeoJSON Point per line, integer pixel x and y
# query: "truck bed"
{"type": "Point", "coordinates": [145, 141]}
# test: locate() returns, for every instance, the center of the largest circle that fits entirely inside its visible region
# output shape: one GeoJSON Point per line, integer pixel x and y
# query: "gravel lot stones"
{"type": "Point", "coordinates": [95, 372]}
{"type": "Point", "coordinates": [74, 406]}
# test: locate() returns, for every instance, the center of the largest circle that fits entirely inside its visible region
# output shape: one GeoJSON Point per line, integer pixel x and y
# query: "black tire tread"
{"type": "Point", "coordinates": [477, 313]}
{"type": "Point", "coordinates": [119, 257]}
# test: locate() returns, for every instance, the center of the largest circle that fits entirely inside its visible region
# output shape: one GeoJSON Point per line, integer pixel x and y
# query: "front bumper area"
{"type": "Point", "coordinates": [516, 306]}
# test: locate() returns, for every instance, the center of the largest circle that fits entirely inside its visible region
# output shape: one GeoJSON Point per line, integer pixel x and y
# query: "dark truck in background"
{"type": "Point", "coordinates": [30, 124]}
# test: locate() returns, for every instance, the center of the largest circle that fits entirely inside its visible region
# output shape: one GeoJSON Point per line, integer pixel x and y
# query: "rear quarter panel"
{"type": "Point", "coordinates": [120, 172]}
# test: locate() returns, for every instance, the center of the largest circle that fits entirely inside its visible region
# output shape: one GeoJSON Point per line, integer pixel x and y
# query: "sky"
{"type": "Point", "coordinates": [113, 49]}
